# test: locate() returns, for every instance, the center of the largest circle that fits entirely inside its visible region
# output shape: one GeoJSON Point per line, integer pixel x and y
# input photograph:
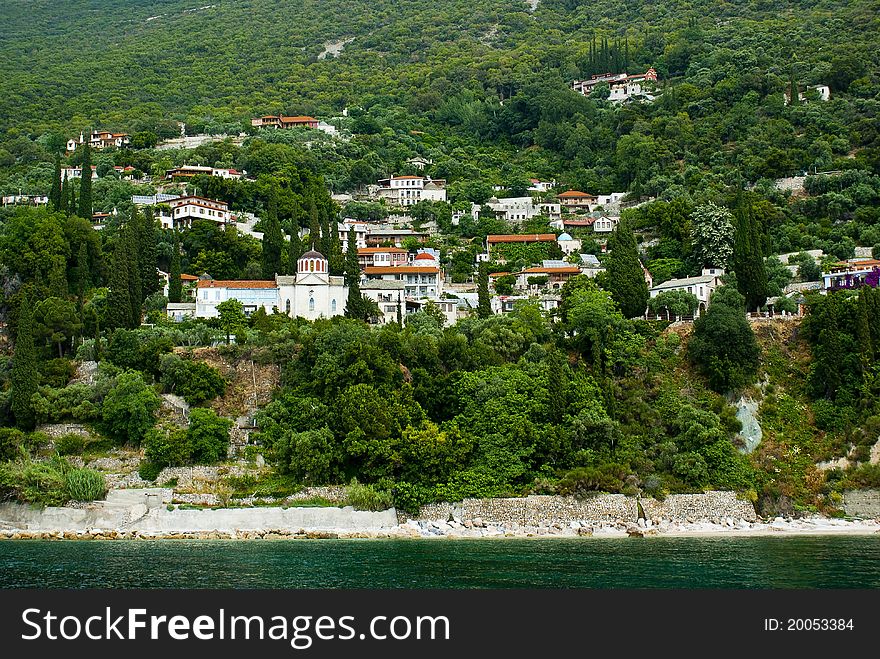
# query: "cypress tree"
{"type": "Point", "coordinates": [748, 260]}
{"type": "Point", "coordinates": [294, 248]}
{"type": "Point", "coordinates": [119, 299]}
{"type": "Point", "coordinates": [71, 200]}
{"type": "Point", "coordinates": [335, 258]}
{"type": "Point", "coordinates": [135, 289]}
{"type": "Point", "coordinates": [85, 185]}
{"type": "Point", "coordinates": [354, 305]}
{"type": "Point", "coordinates": [794, 96]}
{"type": "Point", "coordinates": [175, 285]}
{"type": "Point", "coordinates": [62, 197]}
{"type": "Point", "coordinates": [24, 377]}
{"type": "Point", "coordinates": [625, 277]}
{"type": "Point", "coordinates": [273, 242]}
{"type": "Point", "coordinates": [55, 192]}
{"type": "Point", "coordinates": [82, 274]}
{"type": "Point", "coordinates": [314, 226]}
{"type": "Point", "coordinates": [147, 253]}
{"type": "Point", "coordinates": [484, 301]}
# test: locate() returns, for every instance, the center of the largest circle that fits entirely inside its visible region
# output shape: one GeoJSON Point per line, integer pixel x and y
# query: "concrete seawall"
{"type": "Point", "coordinates": [145, 511]}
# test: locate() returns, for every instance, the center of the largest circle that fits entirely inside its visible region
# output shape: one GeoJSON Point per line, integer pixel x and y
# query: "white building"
{"type": "Point", "coordinates": [518, 209]}
{"type": "Point", "coordinates": [567, 244]}
{"type": "Point", "coordinates": [389, 296]}
{"type": "Point", "coordinates": [605, 224]}
{"type": "Point", "coordinates": [312, 293]}
{"type": "Point", "coordinates": [702, 287]}
{"type": "Point", "coordinates": [622, 87]}
{"type": "Point", "coordinates": [184, 210]}
{"type": "Point", "coordinates": [76, 172]}
{"type": "Point", "coordinates": [541, 186]}
{"type": "Point", "coordinates": [100, 139]}
{"type": "Point", "coordinates": [421, 278]}
{"type": "Point", "coordinates": [188, 171]}
{"type": "Point", "coordinates": [409, 190]}
{"type": "Point", "coordinates": [361, 229]}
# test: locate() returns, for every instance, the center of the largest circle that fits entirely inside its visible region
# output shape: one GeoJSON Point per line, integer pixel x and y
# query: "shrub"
{"type": "Point", "coordinates": [129, 407]}
{"type": "Point", "coordinates": [367, 497]}
{"type": "Point", "coordinates": [10, 441]}
{"type": "Point", "coordinates": [164, 447]}
{"type": "Point", "coordinates": [70, 444]}
{"type": "Point", "coordinates": [195, 382]}
{"type": "Point", "coordinates": [41, 483]}
{"type": "Point", "coordinates": [409, 498]}
{"type": "Point", "coordinates": [84, 485]}
{"type": "Point", "coordinates": [583, 481]}
{"type": "Point", "coordinates": [149, 471]}
{"type": "Point", "coordinates": [208, 436]}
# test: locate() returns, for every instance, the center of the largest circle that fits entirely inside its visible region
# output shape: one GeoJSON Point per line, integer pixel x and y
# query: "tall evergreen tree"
{"type": "Point", "coordinates": [625, 276]}
{"type": "Point", "coordinates": [55, 192]}
{"type": "Point", "coordinates": [135, 289]}
{"type": "Point", "coordinates": [314, 240]}
{"type": "Point", "coordinates": [63, 197]}
{"type": "Point", "coordinates": [748, 260]}
{"type": "Point", "coordinates": [294, 248]}
{"type": "Point", "coordinates": [82, 274]}
{"type": "Point", "coordinates": [273, 243]}
{"type": "Point", "coordinates": [119, 298]}
{"type": "Point", "coordinates": [484, 300]}
{"type": "Point", "coordinates": [147, 253]}
{"type": "Point", "coordinates": [85, 185]}
{"type": "Point", "coordinates": [354, 307]}
{"type": "Point", "coordinates": [25, 376]}
{"type": "Point", "coordinates": [175, 285]}
{"type": "Point", "coordinates": [335, 258]}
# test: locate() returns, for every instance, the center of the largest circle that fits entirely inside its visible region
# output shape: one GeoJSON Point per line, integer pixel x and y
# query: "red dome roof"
{"type": "Point", "coordinates": [424, 256]}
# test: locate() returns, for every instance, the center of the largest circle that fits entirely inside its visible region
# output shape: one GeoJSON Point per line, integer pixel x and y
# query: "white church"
{"type": "Point", "coordinates": [312, 293]}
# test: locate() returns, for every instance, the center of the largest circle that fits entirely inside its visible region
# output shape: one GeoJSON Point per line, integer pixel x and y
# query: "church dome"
{"type": "Point", "coordinates": [311, 261]}
{"type": "Point", "coordinates": [424, 256]}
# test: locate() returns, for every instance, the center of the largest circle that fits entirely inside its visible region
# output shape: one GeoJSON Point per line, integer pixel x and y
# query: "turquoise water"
{"type": "Point", "coordinates": [794, 562]}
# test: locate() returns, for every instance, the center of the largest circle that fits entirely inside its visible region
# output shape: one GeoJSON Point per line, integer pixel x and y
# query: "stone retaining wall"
{"type": "Point", "coordinates": [535, 510]}
{"type": "Point", "coordinates": [699, 507]}
{"type": "Point", "coordinates": [862, 503]}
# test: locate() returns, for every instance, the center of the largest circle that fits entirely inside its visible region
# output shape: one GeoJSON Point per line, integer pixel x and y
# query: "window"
{"type": "Point", "coordinates": [311, 304]}
{"type": "Point", "coordinates": [287, 307]}
{"type": "Point", "coordinates": [333, 306]}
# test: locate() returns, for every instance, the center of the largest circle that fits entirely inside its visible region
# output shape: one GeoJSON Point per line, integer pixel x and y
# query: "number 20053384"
{"type": "Point", "coordinates": [808, 624]}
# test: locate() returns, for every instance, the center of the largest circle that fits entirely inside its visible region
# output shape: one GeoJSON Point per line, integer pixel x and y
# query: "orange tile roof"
{"type": "Point", "coordinates": [569, 269]}
{"type": "Point", "coordinates": [399, 270]}
{"type": "Point", "coordinates": [575, 193]}
{"type": "Point", "coordinates": [498, 274]}
{"type": "Point", "coordinates": [381, 250]}
{"type": "Point", "coordinates": [236, 283]}
{"type": "Point", "coordinates": [406, 176]}
{"type": "Point", "coordinates": [186, 277]}
{"type": "Point", "coordinates": [531, 238]}
{"type": "Point", "coordinates": [301, 119]}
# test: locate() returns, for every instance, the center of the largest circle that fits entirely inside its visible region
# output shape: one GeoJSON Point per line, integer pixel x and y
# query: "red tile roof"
{"type": "Point", "coordinates": [571, 194]}
{"type": "Point", "coordinates": [569, 269]}
{"type": "Point", "coordinates": [381, 250]}
{"type": "Point", "coordinates": [424, 256]}
{"type": "Point", "coordinates": [235, 283]}
{"type": "Point", "coordinates": [531, 238]}
{"type": "Point", "coordinates": [399, 270]}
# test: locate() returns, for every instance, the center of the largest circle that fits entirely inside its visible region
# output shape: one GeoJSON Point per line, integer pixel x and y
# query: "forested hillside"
{"type": "Point", "coordinates": [472, 79]}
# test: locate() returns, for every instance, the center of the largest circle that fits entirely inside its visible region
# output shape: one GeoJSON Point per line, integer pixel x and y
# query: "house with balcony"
{"type": "Point", "coordinates": [421, 277]}
{"type": "Point", "coordinates": [702, 287]}
{"type": "Point", "coordinates": [282, 121]}
{"type": "Point", "coordinates": [573, 201]}
{"type": "Point", "coordinates": [550, 274]}
{"type": "Point", "coordinates": [382, 256]}
{"type": "Point", "coordinates": [185, 210]}
{"type": "Point", "coordinates": [852, 274]}
{"type": "Point", "coordinates": [188, 171]}
{"type": "Point", "coordinates": [99, 140]}
{"type": "Point", "coordinates": [408, 190]}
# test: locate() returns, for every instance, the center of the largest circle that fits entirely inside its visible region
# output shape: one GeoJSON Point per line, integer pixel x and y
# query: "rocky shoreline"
{"type": "Point", "coordinates": [456, 529]}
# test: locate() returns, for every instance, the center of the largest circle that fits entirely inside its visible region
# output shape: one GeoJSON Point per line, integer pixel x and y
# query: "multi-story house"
{"type": "Point", "coordinates": [409, 190]}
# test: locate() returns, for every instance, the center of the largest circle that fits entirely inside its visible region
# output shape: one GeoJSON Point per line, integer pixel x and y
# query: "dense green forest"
{"type": "Point", "coordinates": [588, 398]}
